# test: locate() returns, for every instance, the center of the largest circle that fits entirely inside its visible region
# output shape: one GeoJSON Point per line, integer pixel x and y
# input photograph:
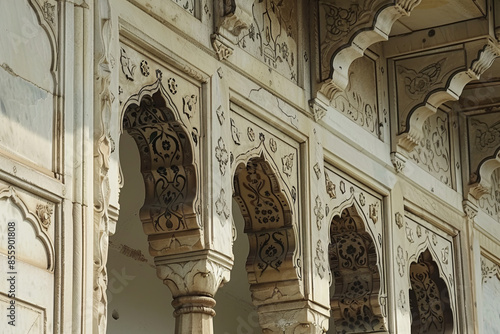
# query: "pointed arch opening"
{"type": "Point", "coordinates": [356, 287]}
{"type": "Point", "coordinates": [268, 224]}
{"type": "Point", "coordinates": [167, 166]}
{"type": "Point", "coordinates": [429, 298]}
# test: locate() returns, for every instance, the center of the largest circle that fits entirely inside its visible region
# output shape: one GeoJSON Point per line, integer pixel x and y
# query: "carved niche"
{"type": "Point", "coordinates": [272, 36]}
{"type": "Point", "coordinates": [353, 262]}
{"type": "Point", "coordinates": [346, 30]}
{"type": "Point", "coordinates": [359, 101]}
{"type": "Point", "coordinates": [490, 202]}
{"type": "Point", "coordinates": [483, 152]}
{"type": "Point", "coordinates": [429, 298]}
{"type": "Point", "coordinates": [433, 151]}
{"type": "Point", "coordinates": [168, 166]}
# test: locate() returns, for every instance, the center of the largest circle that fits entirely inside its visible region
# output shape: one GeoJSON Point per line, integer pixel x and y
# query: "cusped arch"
{"type": "Point", "coordinates": [454, 84]}
{"type": "Point", "coordinates": [348, 32]}
{"type": "Point", "coordinates": [354, 263]}
{"type": "Point", "coordinates": [10, 194]}
{"type": "Point", "coordinates": [48, 19]}
{"type": "Point", "coordinates": [167, 164]}
{"type": "Point", "coordinates": [484, 174]}
{"type": "Point", "coordinates": [429, 297]}
{"type": "Point", "coordinates": [268, 217]}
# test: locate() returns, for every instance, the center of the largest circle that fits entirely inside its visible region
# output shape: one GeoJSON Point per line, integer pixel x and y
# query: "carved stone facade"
{"type": "Point", "coordinates": [267, 166]}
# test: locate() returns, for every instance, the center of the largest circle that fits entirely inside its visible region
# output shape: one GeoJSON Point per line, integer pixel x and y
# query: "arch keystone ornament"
{"type": "Point", "coordinates": [346, 31]}
{"type": "Point", "coordinates": [425, 81]}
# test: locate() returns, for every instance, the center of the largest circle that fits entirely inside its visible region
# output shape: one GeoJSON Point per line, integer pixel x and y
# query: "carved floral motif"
{"type": "Point", "coordinates": [433, 151]}
{"type": "Point", "coordinates": [128, 67]}
{"type": "Point", "coordinates": [399, 219]}
{"type": "Point", "coordinates": [400, 260]}
{"type": "Point", "coordinates": [188, 5]}
{"type": "Point", "coordinates": [272, 35]}
{"type": "Point", "coordinates": [220, 115]}
{"type": "Point", "coordinates": [144, 68]}
{"type": "Point", "coordinates": [319, 260]}
{"type": "Point", "coordinates": [44, 212]}
{"type": "Point", "coordinates": [287, 162]}
{"type": "Point", "coordinates": [419, 83]}
{"type": "Point", "coordinates": [189, 105]}
{"type": "Point", "coordinates": [221, 155]}
{"type": "Point", "coordinates": [318, 212]}
{"type": "Point", "coordinates": [49, 12]}
{"type": "Point", "coordinates": [221, 207]}
{"type": "Point", "coordinates": [330, 187]}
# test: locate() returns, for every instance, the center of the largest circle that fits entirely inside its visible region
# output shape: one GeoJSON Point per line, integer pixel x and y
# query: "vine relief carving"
{"type": "Point", "coordinates": [433, 151]}
{"type": "Point", "coordinates": [272, 36]}
{"type": "Point", "coordinates": [359, 100]}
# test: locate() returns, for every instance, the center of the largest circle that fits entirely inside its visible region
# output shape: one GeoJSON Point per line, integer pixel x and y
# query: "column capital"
{"type": "Point", "coordinates": [200, 273]}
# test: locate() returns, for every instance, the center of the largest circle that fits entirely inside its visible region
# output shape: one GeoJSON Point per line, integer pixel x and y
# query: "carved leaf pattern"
{"type": "Point", "coordinates": [273, 247]}
{"type": "Point", "coordinates": [267, 208]}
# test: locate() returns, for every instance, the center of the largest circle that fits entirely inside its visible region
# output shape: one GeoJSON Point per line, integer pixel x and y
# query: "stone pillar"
{"type": "Point", "coordinates": [193, 283]}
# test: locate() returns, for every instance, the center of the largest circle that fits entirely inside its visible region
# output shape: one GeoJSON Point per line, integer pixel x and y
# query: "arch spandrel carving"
{"type": "Point", "coordinates": [39, 222]}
